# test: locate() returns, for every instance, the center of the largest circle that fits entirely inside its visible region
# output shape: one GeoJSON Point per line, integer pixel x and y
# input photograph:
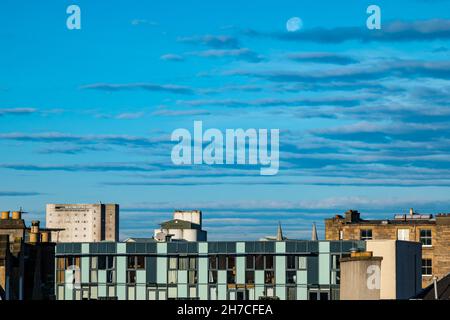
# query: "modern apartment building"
{"type": "Point", "coordinates": [153, 270]}
{"type": "Point", "coordinates": [433, 232]}
{"type": "Point", "coordinates": [83, 222]}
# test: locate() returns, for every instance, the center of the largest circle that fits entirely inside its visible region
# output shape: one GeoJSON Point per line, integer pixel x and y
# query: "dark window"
{"type": "Point", "coordinates": [313, 295]}
{"type": "Point", "coordinates": [135, 262]}
{"type": "Point", "coordinates": [212, 276]}
{"type": "Point", "coordinates": [140, 262]}
{"type": "Point", "coordinates": [269, 262]}
{"type": "Point", "coordinates": [231, 261]}
{"type": "Point", "coordinates": [290, 263]}
{"type": "Point", "coordinates": [250, 262]}
{"type": "Point", "coordinates": [425, 237]}
{"type": "Point", "coordinates": [131, 262]}
{"type": "Point", "coordinates": [366, 234]}
{"type": "Point", "coordinates": [222, 262]}
{"type": "Point", "coordinates": [101, 262]}
{"type": "Point", "coordinates": [291, 277]}
{"type": "Point", "coordinates": [323, 296]}
{"type": "Point", "coordinates": [131, 276]}
{"type": "Point", "coordinates": [110, 276]}
{"type": "Point", "coordinates": [105, 262]}
{"type": "Point", "coordinates": [427, 267]}
{"type": "Point", "coordinates": [212, 262]}
{"type": "Point", "coordinates": [250, 277]}
{"type": "Point", "coordinates": [269, 277]}
{"type": "Point", "coordinates": [259, 262]}
{"type": "Point", "coordinates": [231, 277]}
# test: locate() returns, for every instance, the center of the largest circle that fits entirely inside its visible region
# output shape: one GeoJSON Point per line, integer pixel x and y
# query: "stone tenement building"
{"type": "Point", "coordinates": [27, 259]}
{"type": "Point", "coordinates": [432, 232]}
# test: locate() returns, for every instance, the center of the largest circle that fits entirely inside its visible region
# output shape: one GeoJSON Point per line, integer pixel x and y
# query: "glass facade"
{"type": "Point", "coordinates": [294, 270]}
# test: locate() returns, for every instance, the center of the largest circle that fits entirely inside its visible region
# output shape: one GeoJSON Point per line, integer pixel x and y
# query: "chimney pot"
{"type": "Point", "coordinates": [16, 215]}
{"type": "Point", "coordinates": [5, 215]}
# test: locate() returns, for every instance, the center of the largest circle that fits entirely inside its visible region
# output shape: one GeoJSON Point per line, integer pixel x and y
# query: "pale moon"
{"type": "Point", "coordinates": [294, 24]}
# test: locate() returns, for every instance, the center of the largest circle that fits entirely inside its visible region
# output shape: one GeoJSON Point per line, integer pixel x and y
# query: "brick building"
{"type": "Point", "coordinates": [432, 231]}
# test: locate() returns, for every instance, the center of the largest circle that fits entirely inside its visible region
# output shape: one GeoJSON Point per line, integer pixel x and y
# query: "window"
{"type": "Point", "coordinates": [291, 272]}
{"type": "Point", "coordinates": [291, 277]}
{"type": "Point", "coordinates": [193, 263]}
{"type": "Point", "coordinates": [259, 262]}
{"type": "Point", "coordinates": [318, 295]}
{"type": "Point", "coordinates": [250, 262]}
{"type": "Point", "coordinates": [183, 263]}
{"type": "Point", "coordinates": [212, 293]}
{"type": "Point", "coordinates": [131, 262]}
{"type": "Point", "coordinates": [222, 262]}
{"type": "Point", "coordinates": [335, 269]}
{"type": "Point", "coordinates": [60, 273]}
{"type": "Point", "coordinates": [250, 277]}
{"type": "Point", "coordinates": [193, 292]}
{"type": "Point", "coordinates": [110, 276]}
{"type": "Point", "coordinates": [269, 277]}
{"type": "Point", "coordinates": [192, 273]}
{"type": "Point", "coordinates": [212, 262]}
{"type": "Point", "coordinates": [366, 234]}
{"type": "Point", "coordinates": [172, 276]}
{"type": "Point", "coordinates": [302, 263]}
{"type": "Point", "coordinates": [269, 262]}
{"type": "Point", "coordinates": [341, 234]}
{"type": "Point", "coordinates": [212, 276]}
{"type": "Point", "coordinates": [140, 262]}
{"type": "Point", "coordinates": [427, 267]}
{"type": "Point", "coordinates": [131, 293]}
{"type": "Point", "coordinates": [403, 234]}
{"type": "Point", "coordinates": [131, 276]}
{"type": "Point", "coordinates": [231, 270]}
{"type": "Point", "coordinates": [290, 262]}
{"type": "Point", "coordinates": [172, 293]}
{"type": "Point", "coordinates": [105, 262]}
{"type": "Point", "coordinates": [231, 277]}
{"type": "Point", "coordinates": [291, 293]}
{"type": "Point", "coordinates": [136, 262]}
{"type": "Point", "coordinates": [231, 261]}
{"type": "Point", "coordinates": [173, 263]}
{"type": "Point", "coordinates": [425, 237]}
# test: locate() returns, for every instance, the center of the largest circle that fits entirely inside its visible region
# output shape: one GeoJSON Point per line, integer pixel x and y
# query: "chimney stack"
{"type": "Point", "coordinates": [411, 211]}
{"type": "Point", "coordinates": [34, 232]}
{"type": "Point", "coordinates": [44, 237]}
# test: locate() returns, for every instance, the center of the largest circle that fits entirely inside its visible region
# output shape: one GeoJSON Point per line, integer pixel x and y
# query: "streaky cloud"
{"type": "Point", "coordinates": [395, 31]}
{"type": "Point", "coordinates": [170, 88]}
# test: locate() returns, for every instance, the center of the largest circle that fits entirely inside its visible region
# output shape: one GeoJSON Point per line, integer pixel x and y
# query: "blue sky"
{"type": "Point", "coordinates": [86, 115]}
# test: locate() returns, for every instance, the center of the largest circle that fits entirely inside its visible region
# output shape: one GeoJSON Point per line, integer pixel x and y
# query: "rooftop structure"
{"type": "Point", "coordinates": [433, 232]}
{"type": "Point", "coordinates": [185, 225]}
{"type": "Point", "coordinates": [83, 222]}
